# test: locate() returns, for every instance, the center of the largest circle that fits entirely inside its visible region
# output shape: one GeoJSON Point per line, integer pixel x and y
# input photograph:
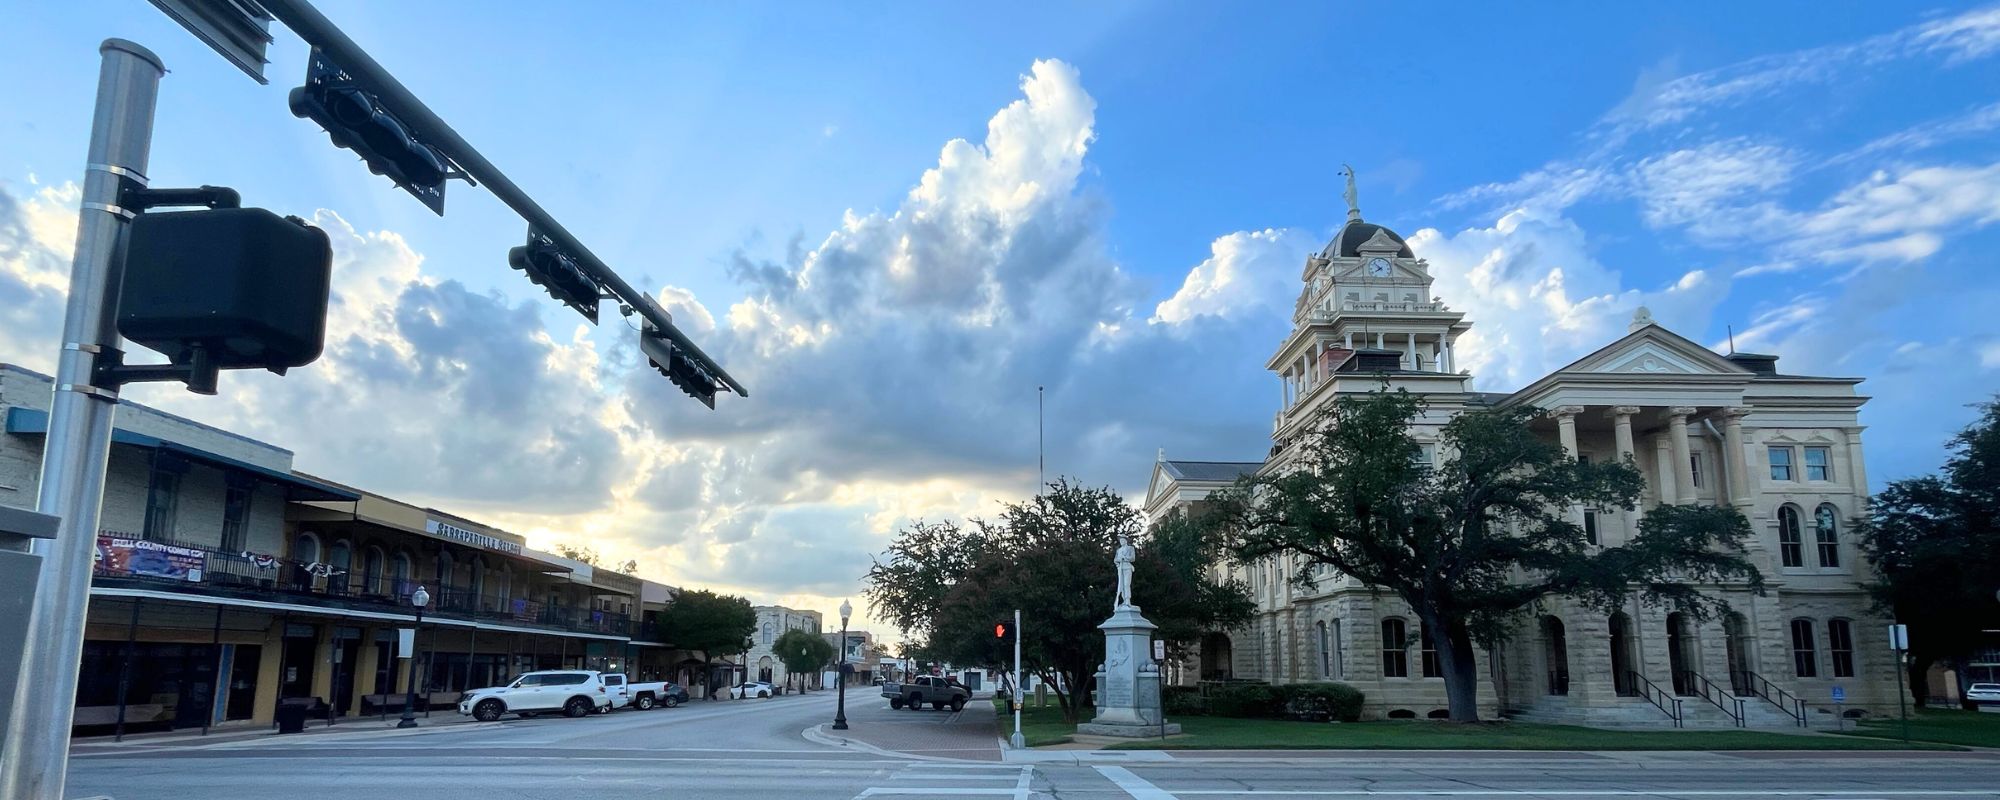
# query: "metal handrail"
{"type": "Point", "coordinates": [1662, 700]}
{"type": "Point", "coordinates": [1793, 707]}
{"type": "Point", "coordinates": [1707, 690]}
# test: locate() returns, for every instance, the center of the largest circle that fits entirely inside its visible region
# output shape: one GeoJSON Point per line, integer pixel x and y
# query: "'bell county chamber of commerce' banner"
{"type": "Point", "coordinates": [121, 556]}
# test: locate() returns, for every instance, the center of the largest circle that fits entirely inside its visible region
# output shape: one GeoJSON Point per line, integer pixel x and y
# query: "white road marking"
{"type": "Point", "coordinates": [1139, 788]}
{"type": "Point", "coordinates": [1021, 775]}
{"type": "Point", "coordinates": [1845, 794]}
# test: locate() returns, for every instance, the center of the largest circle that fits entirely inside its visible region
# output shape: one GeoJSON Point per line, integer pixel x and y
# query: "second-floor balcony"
{"type": "Point", "coordinates": [185, 567]}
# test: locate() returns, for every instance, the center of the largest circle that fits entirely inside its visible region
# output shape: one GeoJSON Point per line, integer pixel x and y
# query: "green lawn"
{"type": "Point", "coordinates": [1046, 726]}
{"type": "Point", "coordinates": [1937, 725]}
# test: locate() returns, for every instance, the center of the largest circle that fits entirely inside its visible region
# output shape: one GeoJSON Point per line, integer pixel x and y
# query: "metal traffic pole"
{"type": "Point", "coordinates": [78, 443]}
{"type": "Point", "coordinates": [1017, 741]}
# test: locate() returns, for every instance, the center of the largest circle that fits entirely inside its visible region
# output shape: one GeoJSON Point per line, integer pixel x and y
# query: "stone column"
{"type": "Point", "coordinates": [1378, 341]}
{"type": "Point", "coordinates": [1347, 339]}
{"type": "Point", "coordinates": [1450, 361]}
{"type": "Point", "coordinates": [1410, 351]}
{"type": "Point", "coordinates": [1739, 467]}
{"type": "Point", "coordinates": [1621, 429]}
{"type": "Point", "coordinates": [1663, 470]}
{"type": "Point", "coordinates": [1677, 426]}
{"type": "Point", "coordinates": [1566, 427]}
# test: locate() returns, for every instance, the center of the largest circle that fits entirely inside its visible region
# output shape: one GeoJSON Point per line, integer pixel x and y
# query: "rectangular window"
{"type": "Point", "coordinates": [1819, 464]}
{"type": "Point", "coordinates": [1840, 645]}
{"type": "Point", "coordinates": [1339, 657]}
{"type": "Point", "coordinates": [1325, 652]}
{"type": "Point", "coordinates": [1805, 659]}
{"type": "Point", "coordinates": [1590, 526]}
{"type": "Point", "coordinates": [235, 518]}
{"type": "Point", "coordinates": [1429, 654]}
{"type": "Point", "coordinates": [1781, 463]}
{"type": "Point", "coordinates": [1694, 467]}
{"type": "Point", "coordinates": [162, 498]}
{"type": "Point", "coordinates": [1395, 649]}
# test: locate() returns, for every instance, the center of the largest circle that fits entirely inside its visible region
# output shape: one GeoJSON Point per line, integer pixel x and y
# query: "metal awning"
{"type": "Point", "coordinates": [36, 421]}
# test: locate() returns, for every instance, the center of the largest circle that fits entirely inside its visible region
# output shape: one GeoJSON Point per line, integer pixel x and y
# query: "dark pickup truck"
{"type": "Point", "coordinates": [940, 693]}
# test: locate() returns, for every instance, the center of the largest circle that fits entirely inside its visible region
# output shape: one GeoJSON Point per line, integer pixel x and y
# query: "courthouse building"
{"type": "Point", "coordinates": [772, 622]}
{"type": "Point", "coordinates": [1703, 427]}
{"type": "Point", "coordinates": [227, 584]}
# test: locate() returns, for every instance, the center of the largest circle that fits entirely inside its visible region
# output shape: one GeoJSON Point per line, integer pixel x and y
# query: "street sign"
{"type": "Point", "coordinates": [1839, 694]}
{"type": "Point", "coordinates": [1899, 637]}
{"type": "Point", "coordinates": [1159, 650]}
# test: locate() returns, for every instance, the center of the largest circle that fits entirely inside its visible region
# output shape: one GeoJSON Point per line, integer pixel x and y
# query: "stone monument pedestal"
{"type": "Point", "coordinates": [1128, 683]}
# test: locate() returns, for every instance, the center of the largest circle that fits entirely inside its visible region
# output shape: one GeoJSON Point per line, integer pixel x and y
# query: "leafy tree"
{"type": "Point", "coordinates": [802, 653]}
{"type": "Point", "coordinates": [698, 619]}
{"type": "Point", "coordinates": [1932, 539]}
{"type": "Point", "coordinates": [577, 552]}
{"type": "Point", "coordinates": [1481, 536]}
{"type": "Point", "coordinates": [1050, 557]}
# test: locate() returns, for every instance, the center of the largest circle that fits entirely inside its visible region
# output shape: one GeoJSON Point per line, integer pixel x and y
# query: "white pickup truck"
{"type": "Point", "coordinates": [643, 696]}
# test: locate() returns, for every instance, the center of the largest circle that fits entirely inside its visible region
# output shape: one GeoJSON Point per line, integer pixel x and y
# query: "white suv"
{"type": "Point", "coordinates": [573, 692]}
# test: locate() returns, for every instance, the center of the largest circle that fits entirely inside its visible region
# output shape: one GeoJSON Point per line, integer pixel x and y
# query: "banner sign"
{"type": "Point", "coordinates": [446, 530]}
{"type": "Point", "coordinates": [118, 556]}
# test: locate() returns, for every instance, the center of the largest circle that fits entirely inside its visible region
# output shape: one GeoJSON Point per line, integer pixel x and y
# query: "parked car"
{"type": "Point", "coordinates": [1983, 693]}
{"type": "Point", "coordinates": [643, 696]}
{"type": "Point", "coordinates": [751, 689]}
{"type": "Point", "coordinates": [575, 693]}
{"type": "Point", "coordinates": [938, 692]}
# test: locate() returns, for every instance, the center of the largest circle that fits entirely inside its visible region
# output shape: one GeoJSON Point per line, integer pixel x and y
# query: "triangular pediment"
{"type": "Point", "coordinates": [1655, 350]}
{"type": "Point", "coordinates": [1381, 242]}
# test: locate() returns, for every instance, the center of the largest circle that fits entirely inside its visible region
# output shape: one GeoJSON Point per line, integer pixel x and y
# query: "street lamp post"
{"type": "Point", "coordinates": [840, 705]}
{"type": "Point", "coordinates": [419, 599]}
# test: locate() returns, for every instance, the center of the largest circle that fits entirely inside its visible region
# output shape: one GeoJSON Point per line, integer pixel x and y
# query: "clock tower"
{"type": "Point", "coordinates": [1365, 317]}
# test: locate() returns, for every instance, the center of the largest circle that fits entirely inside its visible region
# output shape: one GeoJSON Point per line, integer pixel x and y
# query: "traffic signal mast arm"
{"type": "Point", "coordinates": [319, 32]}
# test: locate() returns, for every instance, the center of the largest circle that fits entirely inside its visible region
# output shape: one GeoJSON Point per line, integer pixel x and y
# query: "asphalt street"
{"type": "Point", "coordinates": [774, 749]}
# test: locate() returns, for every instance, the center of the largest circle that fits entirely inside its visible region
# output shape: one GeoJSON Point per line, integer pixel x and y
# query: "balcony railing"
{"type": "Point", "coordinates": [181, 564]}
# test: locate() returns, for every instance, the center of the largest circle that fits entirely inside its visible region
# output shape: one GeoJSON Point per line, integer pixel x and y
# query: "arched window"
{"type": "Point", "coordinates": [1395, 649]}
{"type": "Point", "coordinates": [445, 567]}
{"type": "Point", "coordinates": [1791, 548]}
{"type": "Point", "coordinates": [1840, 647]}
{"type": "Point", "coordinates": [1339, 669]}
{"type": "Point", "coordinates": [1429, 653]}
{"type": "Point", "coordinates": [305, 548]}
{"type": "Point", "coordinates": [1805, 654]}
{"type": "Point", "coordinates": [1555, 651]}
{"type": "Point", "coordinates": [372, 564]}
{"type": "Point", "coordinates": [341, 558]}
{"type": "Point", "coordinates": [405, 568]}
{"type": "Point", "coordinates": [1825, 530]}
{"type": "Point", "coordinates": [767, 633]}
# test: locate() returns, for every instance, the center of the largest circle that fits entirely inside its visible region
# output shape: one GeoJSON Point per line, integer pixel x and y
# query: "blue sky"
{"type": "Point", "coordinates": [893, 222]}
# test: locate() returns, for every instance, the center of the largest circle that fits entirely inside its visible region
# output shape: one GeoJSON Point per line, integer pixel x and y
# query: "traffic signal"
{"type": "Point", "coordinates": [552, 269]}
{"type": "Point", "coordinates": [1003, 629]}
{"type": "Point", "coordinates": [357, 121]}
{"type": "Point", "coordinates": [678, 366]}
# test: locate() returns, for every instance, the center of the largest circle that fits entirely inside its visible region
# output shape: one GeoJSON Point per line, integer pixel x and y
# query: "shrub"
{"type": "Point", "coordinates": [1245, 700]}
{"type": "Point", "coordinates": [1182, 701]}
{"type": "Point", "coordinates": [1322, 701]}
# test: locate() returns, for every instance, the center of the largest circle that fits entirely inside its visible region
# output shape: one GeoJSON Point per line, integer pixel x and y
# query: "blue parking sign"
{"type": "Point", "coordinates": [1839, 694]}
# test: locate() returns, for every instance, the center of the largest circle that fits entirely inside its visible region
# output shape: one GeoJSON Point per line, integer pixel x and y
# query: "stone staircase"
{"type": "Point", "coordinates": [1636, 713]}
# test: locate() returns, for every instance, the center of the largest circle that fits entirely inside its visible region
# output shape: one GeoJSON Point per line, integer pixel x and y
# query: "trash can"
{"type": "Point", "coordinates": [291, 719]}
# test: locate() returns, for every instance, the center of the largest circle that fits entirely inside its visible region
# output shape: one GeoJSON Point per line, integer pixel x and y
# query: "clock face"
{"type": "Point", "coordinates": [1379, 267]}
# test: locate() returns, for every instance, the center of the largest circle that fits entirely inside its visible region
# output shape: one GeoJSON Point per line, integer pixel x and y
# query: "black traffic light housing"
{"type": "Point", "coordinates": [553, 270]}
{"type": "Point", "coordinates": [221, 288]}
{"type": "Point", "coordinates": [356, 120]}
{"type": "Point", "coordinates": [678, 366]}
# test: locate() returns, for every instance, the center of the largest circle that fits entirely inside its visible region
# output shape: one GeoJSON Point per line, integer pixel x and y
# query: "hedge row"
{"type": "Point", "coordinates": [1308, 701]}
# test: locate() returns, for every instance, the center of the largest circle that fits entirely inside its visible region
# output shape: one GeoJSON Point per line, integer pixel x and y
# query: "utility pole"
{"type": "Point", "coordinates": [1017, 741]}
{"type": "Point", "coordinates": [36, 753]}
{"type": "Point", "coordinates": [1041, 480]}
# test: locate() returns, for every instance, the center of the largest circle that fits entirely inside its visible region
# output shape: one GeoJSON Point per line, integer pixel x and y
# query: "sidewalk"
{"type": "Point", "coordinates": [238, 732]}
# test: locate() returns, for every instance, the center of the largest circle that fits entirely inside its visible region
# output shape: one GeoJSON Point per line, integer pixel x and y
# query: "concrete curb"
{"type": "Point", "coordinates": [818, 735]}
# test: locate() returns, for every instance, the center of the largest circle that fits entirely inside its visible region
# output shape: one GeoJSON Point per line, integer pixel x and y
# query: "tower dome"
{"type": "Point", "coordinates": [1347, 243]}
